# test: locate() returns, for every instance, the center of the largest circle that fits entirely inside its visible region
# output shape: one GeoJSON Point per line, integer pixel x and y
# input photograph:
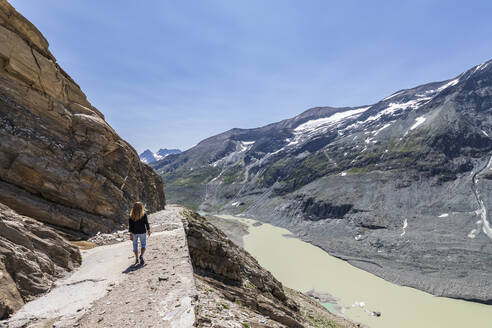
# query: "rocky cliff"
{"type": "Point", "coordinates": [60, 162]}
{"type": "Point", "coordinates": [32, 256]}
{"type": "Point", "coordinates": [213, 254]}
{"type": "Point", "coordinates": [401, 188]}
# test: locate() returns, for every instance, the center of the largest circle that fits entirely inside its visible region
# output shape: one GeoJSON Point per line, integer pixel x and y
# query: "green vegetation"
{"type": "Point", "coordinates": [245, 325]}
{"type": "Point", "coordinates": [292, 173]}
{"type": "Point", "coordinates": [415, 144]}
{"type": "Point", "coordinates": [188, 196]}
{"type": "Point", "coordinates": [230, 191]}
{"type": "Point", "coordinates": [233, 174]}
{"type": "Point", "coordinates": [249, 285]}
{"type": "Point", "coordinates": [275, 171]}
{"type": "Point", "coordinates": [393, 155]}
{"type": "Point", "coordinates": [360, 170]}
{"type": "Point", "coordinates": [200, 175]}
{"type": "Point", "coordinates": [320, 321]}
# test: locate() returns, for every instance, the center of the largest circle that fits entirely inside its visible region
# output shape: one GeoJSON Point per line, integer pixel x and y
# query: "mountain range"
{"type": "Point", "coordinates": [150, 157]}
{"type": "Point", "coordinates": [401, 188]}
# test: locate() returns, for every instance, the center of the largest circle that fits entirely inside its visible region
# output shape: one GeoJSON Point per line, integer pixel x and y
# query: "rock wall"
{"type": "Point", "coordinates": [32, 256]}
{"type": "Point", "coordinates": [60, 162]}
{"type": "Point", "coordinates": [233, 271]}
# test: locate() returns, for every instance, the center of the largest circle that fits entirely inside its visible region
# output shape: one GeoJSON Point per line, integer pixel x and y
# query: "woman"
{"type": "Point", "coordinates": [138, 226]}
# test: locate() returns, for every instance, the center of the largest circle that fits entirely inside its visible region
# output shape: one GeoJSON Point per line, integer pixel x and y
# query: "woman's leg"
{"type": "Point", "coordinates": [135, 246]}
{"type": "Point", "coordinates": [143, 244]}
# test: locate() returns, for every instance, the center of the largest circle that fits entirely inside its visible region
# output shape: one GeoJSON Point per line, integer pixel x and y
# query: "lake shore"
{"type": "Point", "coordinates": [303, 267]}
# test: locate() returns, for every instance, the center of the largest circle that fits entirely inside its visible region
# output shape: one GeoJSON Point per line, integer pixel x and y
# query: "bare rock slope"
{"type": "Point", "coordinates": [32, 256]}
{"type": "Point", "coordinates": [60, 162]}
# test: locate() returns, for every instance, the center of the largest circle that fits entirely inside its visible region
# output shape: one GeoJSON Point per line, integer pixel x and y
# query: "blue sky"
{"type": "Point", "coordinates": [171, 73]}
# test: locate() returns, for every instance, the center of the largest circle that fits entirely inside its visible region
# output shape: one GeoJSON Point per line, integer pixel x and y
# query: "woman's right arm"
{"type": "Point", "coordinates": [130, 228]}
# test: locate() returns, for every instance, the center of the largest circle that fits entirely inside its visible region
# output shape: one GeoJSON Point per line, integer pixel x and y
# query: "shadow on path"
{"type": "Point", "coordinates": [133, 267]}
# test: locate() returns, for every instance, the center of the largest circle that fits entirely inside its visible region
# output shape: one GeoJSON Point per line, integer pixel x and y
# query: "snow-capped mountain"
{"type": "Point", "coordinates": [401, 188]}
{"type": "Point", "coordinates": [150, 157]}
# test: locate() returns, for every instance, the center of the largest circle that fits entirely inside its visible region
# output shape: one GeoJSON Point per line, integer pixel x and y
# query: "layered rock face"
{"type": "Point", "coordinates": [32, 256]}
{"type": "Point", "coordinates": [60, 162]}
{"type": "Point", "coordinates": [236, 273]}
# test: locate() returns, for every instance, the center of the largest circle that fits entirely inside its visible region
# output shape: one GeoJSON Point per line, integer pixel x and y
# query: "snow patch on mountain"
{"type": "Point", "coordinates": [313, 125]}
{"type": "Point", "coordinates": [418, 121]}
{"type": "Point", "coordinates": [395, 107]}
{"type": "Point", "coordinates": [232, 157]}
{"type": "Point", "coordinates": [481, 66]}
{"type": "Point", "coordinates": [447, 85]}
{"type": "Point", "coordinates": [404, 230]}
{"type": "Point", "coordinates": [149, 157]}
{"type": "Point", "coordinates": [375, 133]}
{"type": "Point", "coordinates": [291, 142]}
{"type": "Point", "coordinates": [245, 145]}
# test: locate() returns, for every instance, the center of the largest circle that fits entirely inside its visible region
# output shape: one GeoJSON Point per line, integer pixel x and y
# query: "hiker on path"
{"type": "Point", "coordinates": [138, 227]}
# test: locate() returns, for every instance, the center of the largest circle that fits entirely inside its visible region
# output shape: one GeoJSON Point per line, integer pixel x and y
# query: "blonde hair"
{"type": "Point", "coordinates": [138, 211]}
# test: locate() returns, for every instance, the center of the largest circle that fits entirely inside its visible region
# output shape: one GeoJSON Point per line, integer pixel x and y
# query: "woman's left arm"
{"type": "Point", "coordinates": [147, 225]}
{"type": "Point", "coordinates": [130, 228]}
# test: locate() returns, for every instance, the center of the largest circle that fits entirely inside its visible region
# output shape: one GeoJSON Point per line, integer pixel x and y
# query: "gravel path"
{"type": "Point", "coordinates": [108, 291]}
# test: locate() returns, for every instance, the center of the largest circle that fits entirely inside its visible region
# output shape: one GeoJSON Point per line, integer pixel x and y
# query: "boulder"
{"type": "Point", "coordinates": [32, 256]}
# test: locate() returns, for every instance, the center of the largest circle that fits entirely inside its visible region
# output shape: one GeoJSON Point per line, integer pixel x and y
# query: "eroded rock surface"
{"type": "Point", "coordinates": [60, 162]}
{"type": "Point", "coordinates": [232, 268]}
{"type": "Point", "coordinates": [32, 256]}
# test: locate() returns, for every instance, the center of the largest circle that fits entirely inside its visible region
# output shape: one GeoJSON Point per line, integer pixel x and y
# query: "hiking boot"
{"type": "Point", "coordinates": [141, 260]}
{"type": "Point", "coordinates": [136, 262]}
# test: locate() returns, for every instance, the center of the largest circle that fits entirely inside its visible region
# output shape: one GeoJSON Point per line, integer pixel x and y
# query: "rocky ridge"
{"type": "Point", "coordinates": [60, 162]}
{"type": "Point", "coordinates": [232, 268]}
{"type": "Point", "coordinates": [400, 188]}
{"type": "Point", "coordinates": [32, 257]}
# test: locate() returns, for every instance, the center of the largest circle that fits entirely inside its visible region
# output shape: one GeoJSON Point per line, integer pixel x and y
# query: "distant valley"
{"type": "Point", "coordinates": [401, 188]}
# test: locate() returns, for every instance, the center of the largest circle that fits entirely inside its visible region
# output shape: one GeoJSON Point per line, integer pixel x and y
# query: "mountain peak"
{"type": "Point", "coordinates": [150, 157]}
